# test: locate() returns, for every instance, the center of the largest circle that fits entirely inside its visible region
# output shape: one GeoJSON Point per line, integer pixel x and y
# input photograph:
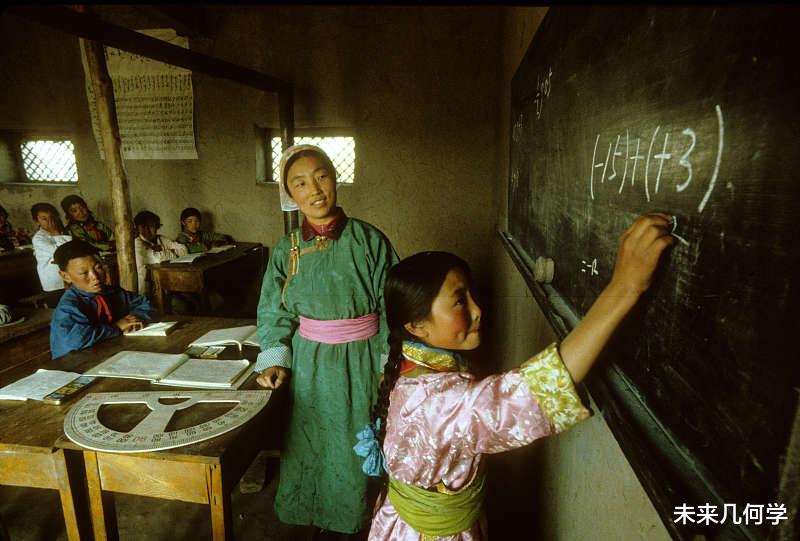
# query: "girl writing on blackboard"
{"type": "Point", "coordinates": [439, 420]}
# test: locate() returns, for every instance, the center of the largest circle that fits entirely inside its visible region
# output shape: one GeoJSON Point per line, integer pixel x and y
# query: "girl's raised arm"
{"type": "Point", "coordinates": [640, 248]}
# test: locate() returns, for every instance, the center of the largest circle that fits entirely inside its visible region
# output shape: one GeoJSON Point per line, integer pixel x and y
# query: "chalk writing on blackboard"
{"type": "Point", "coordinates": [590, 268]}
{"type": "Point", "coordinates": [542, 90]}
{"type": "Point", "coordinates": [632, 155]}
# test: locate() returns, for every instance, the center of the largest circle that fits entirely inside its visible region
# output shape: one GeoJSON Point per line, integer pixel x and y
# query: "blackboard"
{"type": "Point", "coordinates": [691, 111]}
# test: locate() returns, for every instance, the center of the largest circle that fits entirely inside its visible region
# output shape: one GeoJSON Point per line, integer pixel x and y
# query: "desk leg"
{"type": "Point", "coordinates": [220, 501]}
{"type": "Point", "coordinates": [70, 488]}
{"type": "Point", "coordinates": [104, 513]}
{"type": "Point", "coordinates": [158, 294]}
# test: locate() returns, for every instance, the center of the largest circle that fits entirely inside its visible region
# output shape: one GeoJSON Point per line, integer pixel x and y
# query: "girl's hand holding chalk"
{"type": "Point", "coordinates": [640, 248]}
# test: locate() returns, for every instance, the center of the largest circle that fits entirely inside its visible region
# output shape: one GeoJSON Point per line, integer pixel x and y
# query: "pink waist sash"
{"type": "Point", "coordinates": [339, 331]}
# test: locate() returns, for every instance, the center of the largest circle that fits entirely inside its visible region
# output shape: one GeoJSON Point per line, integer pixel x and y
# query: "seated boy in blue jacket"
{"type": "Point", "coordinates": [89, 310]}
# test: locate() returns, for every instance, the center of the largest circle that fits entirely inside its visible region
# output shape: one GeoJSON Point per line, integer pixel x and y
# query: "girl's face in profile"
{"type": "Point", "coordinates": [455, 319]}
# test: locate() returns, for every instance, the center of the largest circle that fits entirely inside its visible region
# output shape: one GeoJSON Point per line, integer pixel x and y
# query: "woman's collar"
{"type": "Point", "coordinates": [437, 359]}
{"type": "Point", "coordinates": [331, 230]}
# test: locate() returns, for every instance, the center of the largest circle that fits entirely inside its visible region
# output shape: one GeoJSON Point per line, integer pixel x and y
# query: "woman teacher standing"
{"type": "Point", "coordinates": [322, 330]}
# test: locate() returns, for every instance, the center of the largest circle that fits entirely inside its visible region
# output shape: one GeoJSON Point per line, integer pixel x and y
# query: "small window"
{"type": "Point", "coordinates": [35, 157]}
{"type": "Point", "coordinates": [47, 160]}
{"type": "Point", "coordinates": [341, 150]}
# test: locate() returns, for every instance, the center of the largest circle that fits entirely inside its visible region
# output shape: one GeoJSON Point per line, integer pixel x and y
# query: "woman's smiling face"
{"type": "Point", "coordinates": [313, 187]}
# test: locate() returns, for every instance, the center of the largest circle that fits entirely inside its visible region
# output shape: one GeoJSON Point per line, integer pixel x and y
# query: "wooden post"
{"type": "Point", "coordinates": [291, 219]}
{"type": "Point", "coordinates": [115, 166]}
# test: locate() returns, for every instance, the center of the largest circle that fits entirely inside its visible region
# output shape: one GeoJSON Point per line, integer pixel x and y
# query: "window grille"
{"type": "Point", "coordinates": [49, 161]}
{"type": "Point", "coordinates": [341, 151]}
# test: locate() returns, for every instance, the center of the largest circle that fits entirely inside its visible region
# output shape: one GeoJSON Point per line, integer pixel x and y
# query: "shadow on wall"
{"type": "Point", "coordinates": [512, 493]}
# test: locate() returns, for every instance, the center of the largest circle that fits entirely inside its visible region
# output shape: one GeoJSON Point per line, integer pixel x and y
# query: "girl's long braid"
{"type": "Point", "coordinates": [410, 289]}
{"type": "Point", "coordinates": [391, 372]}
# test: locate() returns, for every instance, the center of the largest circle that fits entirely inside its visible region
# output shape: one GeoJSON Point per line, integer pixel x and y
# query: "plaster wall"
{"type": "Point", "coordinates": [417, 85]}
{"type": "Point", "coordinates": [579, 482]}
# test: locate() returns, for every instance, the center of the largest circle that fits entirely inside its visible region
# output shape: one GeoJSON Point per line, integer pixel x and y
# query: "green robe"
{"type": "Point", "coordinates": [333, 386]}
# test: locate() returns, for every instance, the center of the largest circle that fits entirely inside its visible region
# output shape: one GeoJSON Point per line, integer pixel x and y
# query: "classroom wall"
{"type": "Point", "coordinates": [579, 482]}
{"type": "Point", "coordinates": [418, 84]}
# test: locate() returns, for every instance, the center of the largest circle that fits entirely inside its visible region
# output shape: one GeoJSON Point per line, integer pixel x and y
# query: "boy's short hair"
{"type": "Point", "coordinates": [190, 211]}
{"type": "Point", "coordinates": [3, 212]}
{"type": "Point", "coordinates": [71, 200]}
{"type": "Point", "coordinates": [72, 250]}
{"type": "Point", "coordinates": [146, 217]}
{"type": "Point", "coordinates": [43, 207]}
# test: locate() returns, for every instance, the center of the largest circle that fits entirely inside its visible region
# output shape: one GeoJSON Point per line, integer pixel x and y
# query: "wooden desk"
{"type": "Point", "coordinates": [18, 276]}
{"type": "Point", "coordinates": [204, 472]}
{"type": "Point", "coordinates": [246, 261]}
{"type": "Point", "coordinates": [29, 430]}
{"type": "Point", "coordinates": [27, 341]}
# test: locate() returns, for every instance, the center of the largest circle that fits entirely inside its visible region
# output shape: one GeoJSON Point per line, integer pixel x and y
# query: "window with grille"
{"type": "Point", "coordinates": [46, 160]}
{"type": "Point", "coordinates": [341, 151]}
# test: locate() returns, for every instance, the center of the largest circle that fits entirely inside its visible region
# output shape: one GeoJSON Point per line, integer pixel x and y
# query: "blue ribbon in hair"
{"type": "Point", "coordinates": [369, 447]}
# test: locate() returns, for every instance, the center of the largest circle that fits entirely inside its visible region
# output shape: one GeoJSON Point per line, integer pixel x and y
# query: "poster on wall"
{"type": "Point", "coordinates": [154, 102]}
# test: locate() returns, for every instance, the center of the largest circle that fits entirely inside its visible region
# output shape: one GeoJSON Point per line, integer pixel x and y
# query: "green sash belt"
{"type": "Point", "coordinates": [434, 513]}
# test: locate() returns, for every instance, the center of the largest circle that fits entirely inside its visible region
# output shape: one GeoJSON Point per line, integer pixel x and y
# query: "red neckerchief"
{"type": "Point", "coordinates": [89, 226]}
{"type": "Point", "coordinates": [193, 237]}
{"type": "Point", "coordinates": [331, 230]}
{"type": "Point", "coordinates": [102, 308]}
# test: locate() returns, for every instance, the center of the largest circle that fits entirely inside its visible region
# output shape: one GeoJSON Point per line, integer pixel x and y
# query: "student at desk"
{"type": "Point", "coordinates": [10, 237]}
{"type": "Point", "coordinates": [82, 225]}
{"type": "Point", "coordinates": [193, 237]}
{"type": "Point", "coordinates": [49, 237]}
{"type": "Point", "coordinates": [89, 310]}
{"type": "Point", "coordinates": [150, 247]}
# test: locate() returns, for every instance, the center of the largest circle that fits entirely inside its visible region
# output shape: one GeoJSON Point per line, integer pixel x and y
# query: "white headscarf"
{"type": "Point", "coordinates": [287, 203]}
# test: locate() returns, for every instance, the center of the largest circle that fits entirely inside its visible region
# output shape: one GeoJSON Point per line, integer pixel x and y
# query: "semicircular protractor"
{"type": "Point", "coordinates": [83, 426]}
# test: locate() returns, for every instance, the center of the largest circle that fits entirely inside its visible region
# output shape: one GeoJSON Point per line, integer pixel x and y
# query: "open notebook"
{"type": "Point", "coordinates": [174, 369]}
{"type": "Point", "coordinates": [209, 374]}
{"type": "Point", "coordinates": [50, 386]}
{"type": "Point", "coordinates": [188, 258]}
{"type": "Point", "coordinates": [162, 328]}
{"type": "Point", "coordinates": [238, 336]}
{"type": "Point", "coordinates": [218, 249]}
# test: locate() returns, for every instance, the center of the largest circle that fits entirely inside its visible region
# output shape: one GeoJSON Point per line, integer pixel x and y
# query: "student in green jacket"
{"type": "Point", "coordinates": [193, 237]}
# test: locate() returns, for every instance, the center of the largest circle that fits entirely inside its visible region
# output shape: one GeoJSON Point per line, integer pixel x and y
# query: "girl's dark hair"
{"type": "Point", "coordinates": [190, 211]}
{"type": "Point", "coordinates": [410, 289]}
{"type": "Point", "coordinates": [43, 207]}
{"type": "Point", "coordinates": [70, 200]}
{"type": "Point", "coordinates": [322, 156]}
{"type": "Point", "coordinates": [146, 217]}
{"type": "Point", "coordinates": [48, 208]}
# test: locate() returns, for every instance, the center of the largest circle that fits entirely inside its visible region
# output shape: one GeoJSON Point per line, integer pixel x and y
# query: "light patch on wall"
{"type": "Point", "coordinates": [341, 151]}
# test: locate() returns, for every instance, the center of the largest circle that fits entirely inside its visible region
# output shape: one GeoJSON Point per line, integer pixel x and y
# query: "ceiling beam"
{"type": "Point", "coordinates": [92, 27]}
{"type": "Point", "coordinates": [187, 20]}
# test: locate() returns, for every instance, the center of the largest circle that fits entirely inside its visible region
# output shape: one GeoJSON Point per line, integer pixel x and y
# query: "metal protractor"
{"type": "Point", "coordinates": [83, 426]}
